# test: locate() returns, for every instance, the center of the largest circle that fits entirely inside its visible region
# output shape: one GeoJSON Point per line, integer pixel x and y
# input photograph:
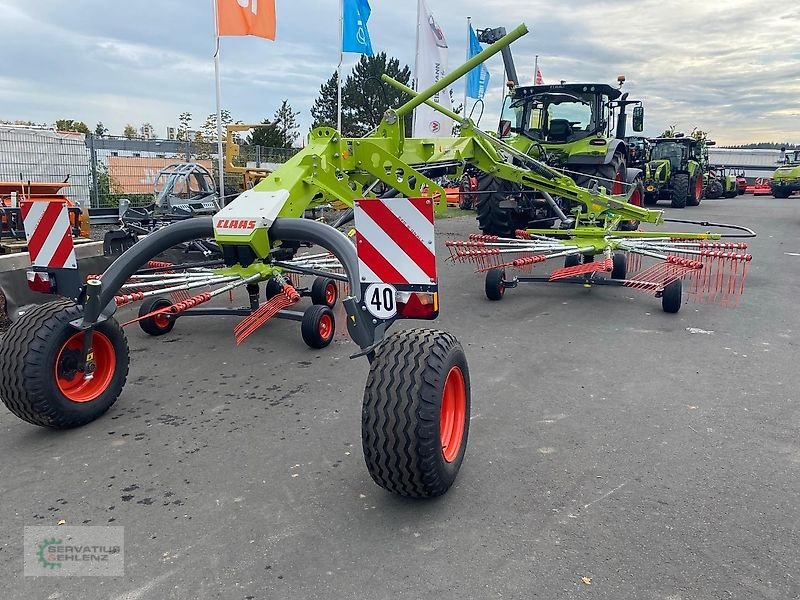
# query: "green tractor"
{"type": "Point", "coordinates": [721, 183]}
{"type": "Point", "coordinates": [578, 128]}
{"type": "Point", "coordinates": [675, 171]}
{"type": "Point", "coordinates": [786, 178]}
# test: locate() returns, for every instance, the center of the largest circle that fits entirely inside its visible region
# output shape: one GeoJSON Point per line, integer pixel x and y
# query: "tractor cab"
{"type": "Point", "coordinates": [560, 113]}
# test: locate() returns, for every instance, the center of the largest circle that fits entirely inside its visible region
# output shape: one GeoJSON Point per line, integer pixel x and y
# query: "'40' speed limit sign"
{"type": "Point", "coordinates": [381, 300]}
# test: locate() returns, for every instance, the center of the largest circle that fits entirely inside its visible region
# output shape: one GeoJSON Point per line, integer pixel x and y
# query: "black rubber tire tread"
{"type": "Point", "coordinates": [690, 197]}
{"type": "Point", "coordinates": [672, 297]}
{"type": "Point", "coordinates": [309, 326]}
{"type": "Point", "coordinates": [731, 194]}
{"type": "Point", "coordinates": [620, 268]}
{"type": "Point", "coordinates": [780, 192]}
{"type": "Point", "coordinates": [713, 190]}
{"type": "Point", "coordinates": [605, 174]}
{"type": "Point", "coordinates": [680, 190]}
{"type": "Point", "coordinates": [633, 225]}
{"type": "Point", "coordinates": [318, 291]}
{"type": "Point", "coordinates": [401, 412]}
{"type": "Point", "coordinates": [492, 219]}
{"type": "Point", "coordinates": [494, 287]}
{"type": "Point", "coordinates": [272, 288]}
{"type": "Point", "coordinates": [27, 356]}
{"type": "Point", "coordinates": [149, 325]}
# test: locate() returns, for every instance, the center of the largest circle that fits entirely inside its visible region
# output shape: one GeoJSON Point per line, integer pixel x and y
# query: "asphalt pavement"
{"type": "Point", "coordinates": [615, 452]}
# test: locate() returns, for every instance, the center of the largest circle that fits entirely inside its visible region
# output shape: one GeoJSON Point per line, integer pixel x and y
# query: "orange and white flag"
{"type": "Point", "coordinates": [246, 17]}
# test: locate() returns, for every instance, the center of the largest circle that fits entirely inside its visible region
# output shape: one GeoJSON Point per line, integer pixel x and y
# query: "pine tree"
{"type": "Point", "coordinates": [281, 131]}
{"type": "Point", "coordinates": [365, 98]}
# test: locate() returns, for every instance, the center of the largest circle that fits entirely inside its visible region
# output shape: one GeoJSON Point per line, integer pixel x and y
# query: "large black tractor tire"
{"type": "Point", "coordinates": [492, 218]}
{"type": "Point", "coordinates": [714, 189]}
{"type": "Point", "coordinates": [636, 198]}
{"type": "Point", "coordinates": [731, 194]}
{"type": "Point", "coordinates": [39, 381]}
{"type": "Point", "coordinates": [610, 175]}
{"type": "Point", "coordinates": [695, 195]}
{"type": "Point", "coordinates": [780, 192]}
{"type": "Point", "coordinates": [416, 413]}
{"type": "Point", "coordinates": [680, 190]}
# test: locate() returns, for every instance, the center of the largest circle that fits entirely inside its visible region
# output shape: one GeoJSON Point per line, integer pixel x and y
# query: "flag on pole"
{"type": "Point", "coordinates": [355, 35]}
{"type": "Point", "coordinates": [246, 17]}
{"type": "Point", "coordinates": [478, 78]}
{"type": "Point", "coordinates": [538, 79]}
{"type": "Point", "coordinates": [431, 67]}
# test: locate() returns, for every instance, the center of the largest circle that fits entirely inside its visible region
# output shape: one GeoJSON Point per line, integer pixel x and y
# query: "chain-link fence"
{"type": "Point", "coordinates": [100, 171]}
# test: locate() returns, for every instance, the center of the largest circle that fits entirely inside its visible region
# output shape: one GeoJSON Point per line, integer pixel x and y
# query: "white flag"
{"type": "Point", "coordinates": [431, 67]}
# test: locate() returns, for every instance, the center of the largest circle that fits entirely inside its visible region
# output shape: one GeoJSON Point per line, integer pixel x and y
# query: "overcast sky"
{"type": "Point", "coordinates": [734, 71]}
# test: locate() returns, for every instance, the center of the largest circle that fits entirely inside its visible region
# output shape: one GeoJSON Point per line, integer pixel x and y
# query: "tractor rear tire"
{"type": "Point", "coordinates": [158, 324]}
{"type": "Point", "coordinates": [672, 297]}
{"type": "Point", "coordinates": [318, 326]}
{"type": "Point", "coordinates": [636, 199]}
{"type": "Point", "coordinates": [494, 286]}
{"type": "Point", "coordinates": [39, 381]}
{"type": "Point", "coordinates": [695, 192]}
{"type": "Point", "coordinates": [324, 292]}
{"type": "Point", "coordinates": [416, 413]}
{"type": "Point", "coordinates": [680, 190]}
{"type": "Point", "coordinates": [611, 176]}
{"type": "Point", "coordinates": [492, 218]}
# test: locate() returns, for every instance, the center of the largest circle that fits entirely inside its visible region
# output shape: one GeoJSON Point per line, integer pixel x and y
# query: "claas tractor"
{"type": "Point", "coordinates": [721, 182]}
{"type": "Point", "coordinates": [675, 171]}
{"type": "Point", "coordinates": [576, 128]}
{"type": "Point", "coordinates": [786, 179]}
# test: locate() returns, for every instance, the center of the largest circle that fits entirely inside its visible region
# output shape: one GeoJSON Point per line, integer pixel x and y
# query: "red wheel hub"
{"type": "Point", "coordinates": [331, 293]}
{"type": "Point", "coordinates": [161, 320]}
{"type": "Point", "coordinates": [325, 327]}
{"type": "Point", "coordinates": [698, 188]}
{"type": "Point", "coordinates": [617, 189]}
{"type": "Point", "coordinates": [453, 413]}
{"type": "Point", "coordinates": [72, 382]}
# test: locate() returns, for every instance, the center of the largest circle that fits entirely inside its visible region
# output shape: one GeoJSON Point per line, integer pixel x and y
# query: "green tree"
{"type": "Point", "coordinates": [72, 125]}
{"type": "Point", "coordinates": [364, 97]}
{"type": "Point", "coordinates": [184, 120]}
{"type": "Point", "coordinates": [129, 131]}
{"type": "Point", "coordinates": [100, 130]}
{"type": "Point", "coordinates": [210, 126]}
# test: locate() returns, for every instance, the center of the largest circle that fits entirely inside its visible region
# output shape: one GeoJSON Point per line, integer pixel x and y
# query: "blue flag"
{"type": "Point", "coordinates": [478, 78]}
{"type": "Point", "coordinates": [355, 35]}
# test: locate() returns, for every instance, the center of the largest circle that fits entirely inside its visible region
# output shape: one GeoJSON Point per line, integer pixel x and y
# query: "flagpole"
{"type": "Point", "coordinates": [339, 68]}
{"type": "Point", "coordinates": [466, 79]}
{"type": "Point", "coordinates": [416, 71]}
{"type": "Point", "coordinates": [220, 157]}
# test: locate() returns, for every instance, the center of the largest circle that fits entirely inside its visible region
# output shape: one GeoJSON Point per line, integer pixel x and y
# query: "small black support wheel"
{"type": "Point", "coordinates": [620, 268]}
{"type": "Point", "coordinates": [416, 413]}
{"type": "Point", "coordinates": [495, 284]}
{"type": "Point", "coordinates": [672, 296]}
{"type": "Point", "coordinates": [272, 288]}
{"type": "Point", "coordinates": [157, 324]}
{"type": "Point", "coordinates": [680, 190]}
{"type": "Point", "coordinates": [318, 326]}
{"type": "Point", "coordinates": [573, 260]}
{"type": "Point", "coordinates": [324, 292]}
{"type": "Point", "coordinates": [39, 360]}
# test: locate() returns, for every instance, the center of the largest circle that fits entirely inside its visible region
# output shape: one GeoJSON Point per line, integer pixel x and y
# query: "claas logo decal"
{"type": "Point", "coordinates": [236, 224]}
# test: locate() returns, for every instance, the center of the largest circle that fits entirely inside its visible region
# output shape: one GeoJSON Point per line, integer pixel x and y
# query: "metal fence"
{"type": "Point", "coordinates": [100, 171]}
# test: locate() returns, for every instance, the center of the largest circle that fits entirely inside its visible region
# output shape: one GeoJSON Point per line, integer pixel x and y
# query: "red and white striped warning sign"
{"type": "Point", "coordinates": [49, 236]}
{"type": "Point", "coordinates": [394, 241]}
